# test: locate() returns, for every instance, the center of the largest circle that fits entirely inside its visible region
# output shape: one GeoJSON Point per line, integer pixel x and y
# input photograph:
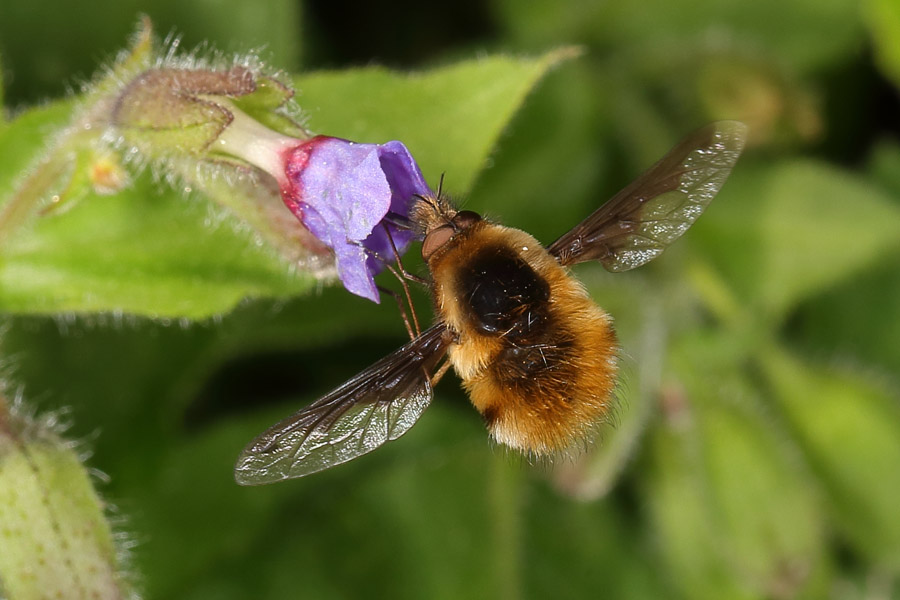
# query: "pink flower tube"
{"type": "Point", "coordinates": [343, 192]}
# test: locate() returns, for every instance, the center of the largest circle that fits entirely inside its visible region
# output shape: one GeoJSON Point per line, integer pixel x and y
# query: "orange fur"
{"type": "Point", "coordinates": [544, 412]}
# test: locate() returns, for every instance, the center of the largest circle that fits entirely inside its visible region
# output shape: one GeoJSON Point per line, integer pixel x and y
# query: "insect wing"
{"type": "Point", "coordinates": [637, 224]}
{"type": "Point", "coordinates": [378, 405]}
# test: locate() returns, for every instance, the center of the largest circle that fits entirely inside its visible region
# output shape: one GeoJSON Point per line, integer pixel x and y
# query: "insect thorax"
{"type": "Point", "coordinates": [503, 295]}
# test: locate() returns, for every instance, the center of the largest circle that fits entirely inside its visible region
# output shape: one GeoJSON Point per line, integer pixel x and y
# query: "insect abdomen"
{"type": "Point", "coordinates": [544, 397]}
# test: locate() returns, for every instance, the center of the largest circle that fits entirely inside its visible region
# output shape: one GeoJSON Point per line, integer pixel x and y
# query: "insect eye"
{"type": "Point", "coordinates": [436, 238]}
{"type": "Point", "coordinates": [465, 219]}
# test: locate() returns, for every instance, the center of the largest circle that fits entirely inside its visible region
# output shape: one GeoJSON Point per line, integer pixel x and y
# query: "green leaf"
{"type": "Point", "coordinates": [440, 499]}
{"type": "Point", "coordinates": [884, 165]}
{"type": "Point", "coordinates": [22, 143]}
{"type": "Point", "coordinates": [737, 514]}
{"type": "Point", "coordinates": [857, 320]}
{"type": "Point", "coordinates": [549, 160]}
{"type": "Point", "coordinates": [681, 518]}
{"type": "Point", "coordinates": [882, 17]}
{"type": "Point", "coordinates": [143, 252]}
{"type": "Point", "coordinates": [160, 393]}
{"type": "Point", "coordinates": [150, 251]}
{"type": "Point", "coordinates": [780, 234]}
{"type": "Point", "coordinates": [450, 118]}
{"type": "Point", "coordinates": [849, 427]}
{"type": "Point", "coordinates": [809, 34]}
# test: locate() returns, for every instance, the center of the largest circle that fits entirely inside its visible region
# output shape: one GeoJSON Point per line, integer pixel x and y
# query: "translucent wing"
{"type": "Point", "coordinates": [637, 224]}
{"type": "Point", "coordinates": [378, 405]}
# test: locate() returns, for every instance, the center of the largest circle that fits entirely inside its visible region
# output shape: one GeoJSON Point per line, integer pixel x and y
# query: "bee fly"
{"type": "Point", "coordinates": [535, 354]}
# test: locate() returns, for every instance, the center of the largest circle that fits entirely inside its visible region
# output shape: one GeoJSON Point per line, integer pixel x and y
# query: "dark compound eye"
{"type": "Point", "coordinates": [465, 219]}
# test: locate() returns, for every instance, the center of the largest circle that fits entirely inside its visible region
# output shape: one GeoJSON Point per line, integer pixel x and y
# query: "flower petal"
{"type": "Point", "coordinates": [342, 192]}
{"type": "Point", "coordinates": [350, 257]}
{"type": "Point", "coordinates": [406, 182]}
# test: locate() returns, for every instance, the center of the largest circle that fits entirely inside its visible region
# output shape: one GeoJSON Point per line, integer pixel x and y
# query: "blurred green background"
{"type": "Point", "coordinates": [756, 449]}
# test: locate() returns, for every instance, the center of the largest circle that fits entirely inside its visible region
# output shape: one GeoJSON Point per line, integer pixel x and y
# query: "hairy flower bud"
{"type": "Point", "coordinates": [55, 541]}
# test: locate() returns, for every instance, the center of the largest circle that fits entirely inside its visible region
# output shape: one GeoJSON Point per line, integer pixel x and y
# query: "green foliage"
{"type": "Point", "coordinates": [781, 216]}
{"type": "Point", "coordinates": [806, 33]}
{"type": "Point", "coordinates": [450, 117]}
{"type": "Point", "coordinates": [54, 539]}
{"type": "Point", "coordinates": [2, 102]}
{"type": "Point", "coordinates": [824, 405]}
{"type": "Point", "coordinates": [755, 446]}
{"type": "Point", "coordinates": [883, 20]}
{"type": "Point", "coordinates": [737, 513]}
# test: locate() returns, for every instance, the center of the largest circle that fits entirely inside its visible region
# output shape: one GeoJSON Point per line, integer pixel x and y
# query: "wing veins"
{"type": "Point", "coordinates": [695, 168]}
{"type": "Point", "coordinates": [394, 390]}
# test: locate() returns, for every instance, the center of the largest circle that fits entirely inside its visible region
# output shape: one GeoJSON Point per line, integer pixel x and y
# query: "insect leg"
{"type": "Point", "coordinates": [402, 308]}
{"type": "Point", "coordinates": [406, 274]}
{"type": "Point", "coordinates": [442, 370]}
{"type": "Point", "coordinates": [403, 279]}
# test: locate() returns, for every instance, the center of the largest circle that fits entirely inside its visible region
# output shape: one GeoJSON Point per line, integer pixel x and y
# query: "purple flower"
{"type": "Point", "coordinates": [342, 191]}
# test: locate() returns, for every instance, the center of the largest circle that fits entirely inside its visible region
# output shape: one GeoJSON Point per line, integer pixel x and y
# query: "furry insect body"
{"type": "Point", "coordinates": [536, 355]}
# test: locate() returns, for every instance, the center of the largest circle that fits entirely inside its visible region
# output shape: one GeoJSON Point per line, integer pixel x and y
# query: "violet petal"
{"type": "Point", "coordinates": [406, 181]}
{"type": "Point", "coordinates": [350, 257]}
{"type": "Point", "coordinates": [342, 191]}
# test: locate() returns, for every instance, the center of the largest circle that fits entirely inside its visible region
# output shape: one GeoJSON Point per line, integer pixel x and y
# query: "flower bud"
{"type": "Point", "coordinates": [55, 541]}
{"type": "Point", "coordinates": [176, 110]}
